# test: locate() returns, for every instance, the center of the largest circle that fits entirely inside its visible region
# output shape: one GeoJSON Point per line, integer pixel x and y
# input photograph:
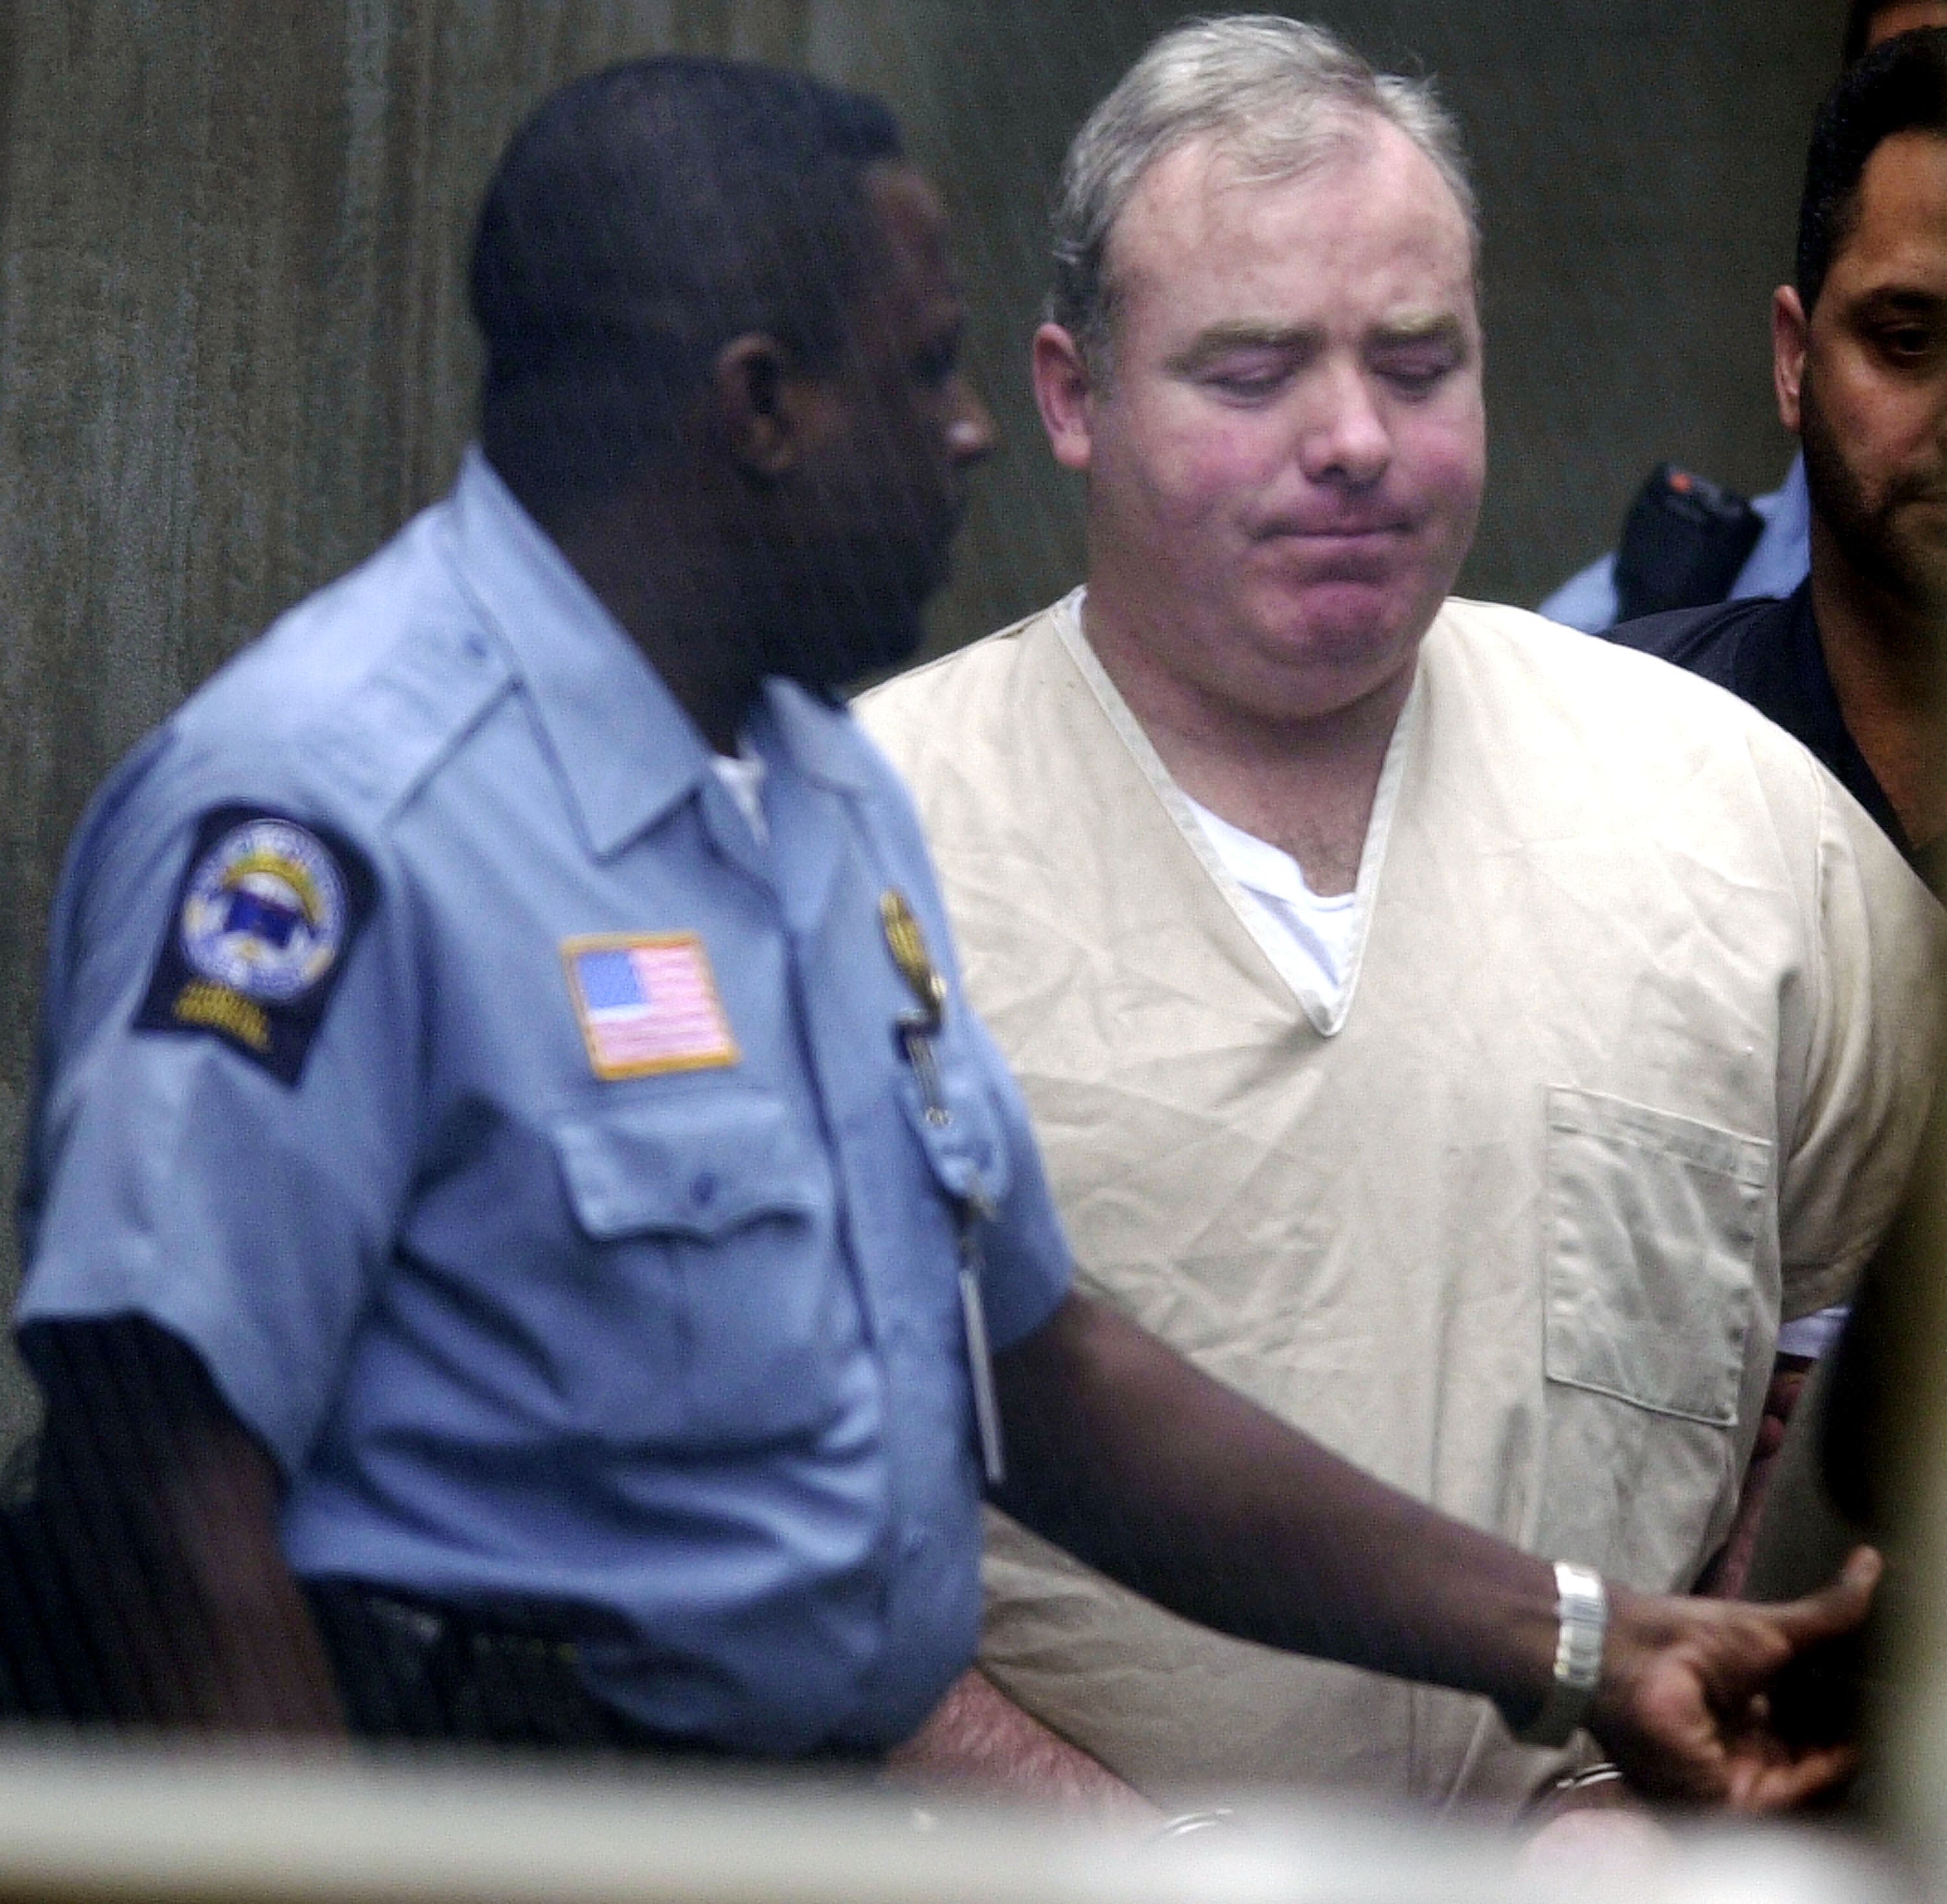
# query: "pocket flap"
{"type": "Point", "coordinates": [696, 1165]}
{"type": "Point", "coordinates": [967, 1147]}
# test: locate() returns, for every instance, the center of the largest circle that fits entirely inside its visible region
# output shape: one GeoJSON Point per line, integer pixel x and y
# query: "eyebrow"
{"type": "Point", "coordinates": [1898, 299]}
{"type": "Point", "coordinates": [1444, 328]}
{"type": "Point", "coordinates": [1220, 339]}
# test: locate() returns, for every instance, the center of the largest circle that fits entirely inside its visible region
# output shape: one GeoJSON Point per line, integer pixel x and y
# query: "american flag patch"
{"type": "Point", "coordinates": [647, 1002]}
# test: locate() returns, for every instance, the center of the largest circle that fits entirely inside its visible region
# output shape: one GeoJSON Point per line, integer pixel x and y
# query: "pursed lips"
{"type": "Point", "coordinates": [1357, 544]}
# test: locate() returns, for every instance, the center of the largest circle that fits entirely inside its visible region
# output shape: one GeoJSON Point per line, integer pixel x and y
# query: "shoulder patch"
{"type": "Point", "coordinates": [266, 911]}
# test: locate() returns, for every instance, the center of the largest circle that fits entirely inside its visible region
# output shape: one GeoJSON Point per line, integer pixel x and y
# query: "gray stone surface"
{"type": "Point", "coordinates": [232, 324]}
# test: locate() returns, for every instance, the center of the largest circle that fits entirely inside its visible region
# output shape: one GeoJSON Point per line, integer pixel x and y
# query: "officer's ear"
{"type": "Point", "coordinates": [768, 411]}
{"type": "Point", "coordinates": [1789, 326]}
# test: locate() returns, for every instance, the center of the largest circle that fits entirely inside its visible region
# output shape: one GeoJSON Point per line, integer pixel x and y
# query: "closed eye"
{"type": "Point", "coordinates": [1247, 376]}
{"type": "Point", "coordinates": [1418, 368]}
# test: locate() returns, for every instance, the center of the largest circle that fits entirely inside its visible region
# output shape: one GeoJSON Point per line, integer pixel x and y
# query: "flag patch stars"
{"type": "Point", "coordinates": [647, 1002]}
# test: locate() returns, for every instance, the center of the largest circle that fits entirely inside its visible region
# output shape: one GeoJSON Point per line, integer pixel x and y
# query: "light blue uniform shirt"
{"type": "Point", "coordinates": [681, 1350]}
{"type": "Point", "coordinates": [1780, 559]}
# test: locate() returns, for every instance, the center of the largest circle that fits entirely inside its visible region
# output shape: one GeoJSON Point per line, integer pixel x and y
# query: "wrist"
{"type": "Point", "coordinates": [1581, 1629]}
{"type": "Point", "coordinates": [1600, 1786]}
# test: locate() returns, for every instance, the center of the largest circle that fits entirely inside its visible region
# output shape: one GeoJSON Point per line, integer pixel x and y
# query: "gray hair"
{"type": "Point", "coordinates": [1281, 97]}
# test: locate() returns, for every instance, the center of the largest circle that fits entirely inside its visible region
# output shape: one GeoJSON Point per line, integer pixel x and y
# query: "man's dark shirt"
{"type": "Point", "coordinates": [1768, 653]}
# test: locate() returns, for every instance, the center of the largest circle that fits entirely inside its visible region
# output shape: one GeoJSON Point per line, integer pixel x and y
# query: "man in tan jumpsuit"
{"type": "Point", "coordinates": [1467, 1039]}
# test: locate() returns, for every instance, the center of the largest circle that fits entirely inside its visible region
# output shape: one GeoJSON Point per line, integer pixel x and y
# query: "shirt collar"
{"type": "Point", "coordinates": [1777, 563]}
{"type": "Point", "coordinates": [820, 736]}
{"type": "Point", "coordinates": [624, 748]}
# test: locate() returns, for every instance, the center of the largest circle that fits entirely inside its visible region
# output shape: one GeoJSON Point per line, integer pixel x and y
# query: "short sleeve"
{"type": "Point", "coordinates": [1872, 1054]}
{"type": "Point", "coordinates": [1029, 1264]}
{"type": "Point", "coordinates": [222, 1149]}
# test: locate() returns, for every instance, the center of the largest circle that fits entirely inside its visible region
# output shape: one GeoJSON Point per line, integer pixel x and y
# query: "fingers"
{"type": "Point", "coordinates": [1684, 1710]}
{"type": "Point", "coordinates": [1755, 1786]}
{"type": "Point", "coordinates": [1834, 1609]}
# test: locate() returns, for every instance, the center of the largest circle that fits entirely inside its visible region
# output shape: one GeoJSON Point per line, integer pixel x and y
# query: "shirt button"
{"type": "Point", "coordinates": [703, 1188]}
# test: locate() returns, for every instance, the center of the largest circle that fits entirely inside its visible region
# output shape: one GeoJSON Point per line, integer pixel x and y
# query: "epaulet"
{"type": "Point", "coordinates": [386, 735]}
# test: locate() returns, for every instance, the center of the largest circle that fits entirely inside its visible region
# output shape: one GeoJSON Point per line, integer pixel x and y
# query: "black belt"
{"type": "Point", "coordinates": [417, 1670]}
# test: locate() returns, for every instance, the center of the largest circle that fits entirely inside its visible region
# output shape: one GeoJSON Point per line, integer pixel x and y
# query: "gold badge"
{"type": "Point", "coordinates": [907, 944]}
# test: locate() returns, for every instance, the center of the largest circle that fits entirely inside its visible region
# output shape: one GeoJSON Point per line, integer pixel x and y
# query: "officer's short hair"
{"type": "Point", "coordinates": [1899, 86]}
{"type": "Point", "coordinates": [643, 217]}
{"type": "Point", "coordinates": [1278, 95]}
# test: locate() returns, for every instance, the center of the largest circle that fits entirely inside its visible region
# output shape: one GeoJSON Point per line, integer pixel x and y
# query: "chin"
{"type": "Point", "coordinates": [1316, 670]}
{"type": "Point", "coordinates": [828, 659]}
{"type": "Point", "coordinates": [860, 614]}
{"type": "Point", "coordinates": [1350, 633]}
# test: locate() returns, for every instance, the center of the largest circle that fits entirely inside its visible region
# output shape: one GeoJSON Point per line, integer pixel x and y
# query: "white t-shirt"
{"type": "Point", "coordinates": [742, 774]}
{"type": "Point", "coordinates": [1320, 931]}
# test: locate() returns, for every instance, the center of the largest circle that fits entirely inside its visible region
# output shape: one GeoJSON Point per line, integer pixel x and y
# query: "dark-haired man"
{"type": "Point", "coordinates": [1852, 662]}
{"type": "Point", "coordinates": [1777, 560]}
{"type": "Point", "coordinates": [511, 1152]}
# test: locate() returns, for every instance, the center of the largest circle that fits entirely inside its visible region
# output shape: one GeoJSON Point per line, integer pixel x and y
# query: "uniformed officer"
{"type": "Point", "coordinates": [509, 1155]}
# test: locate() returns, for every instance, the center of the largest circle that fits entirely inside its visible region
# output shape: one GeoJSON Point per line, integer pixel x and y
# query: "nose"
{"type": "Point", "coordinates": [1344, 435]}
{"type": "Point", "coordinates": [971, 434]}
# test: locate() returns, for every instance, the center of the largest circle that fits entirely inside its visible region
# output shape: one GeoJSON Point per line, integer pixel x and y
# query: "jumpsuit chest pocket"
{"type": "Point", "coordinates": [1650, 1294]}
{"type": "Point", "coordinates": [725, 1315]}
{"type": "Point", "coordinates": [1653, 1228]}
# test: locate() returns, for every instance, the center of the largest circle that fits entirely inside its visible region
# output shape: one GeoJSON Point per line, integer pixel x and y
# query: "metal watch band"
{"type": "Point", "coordinates": [1582, 1607]}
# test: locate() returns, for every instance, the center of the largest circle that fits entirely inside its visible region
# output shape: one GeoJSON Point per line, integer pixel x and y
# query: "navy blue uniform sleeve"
{"type": "Point", "coordinates": [223, 1136]}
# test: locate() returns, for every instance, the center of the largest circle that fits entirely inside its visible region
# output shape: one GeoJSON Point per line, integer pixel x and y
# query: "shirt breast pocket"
{"type": "Point", "coordinates": [1653, 1226]}
{"type": "Point", "coordinates": [961, 1133]}
{"type": "Point", "coordinates": [727, 1317]}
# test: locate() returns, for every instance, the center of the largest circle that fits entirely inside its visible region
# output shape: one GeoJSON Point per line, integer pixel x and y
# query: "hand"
{"type": "Point", "coordinates": [1681, 1707]}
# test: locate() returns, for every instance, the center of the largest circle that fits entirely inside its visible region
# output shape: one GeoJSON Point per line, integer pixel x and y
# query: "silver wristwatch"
{"type": "Point", "coordinates": [1582, 1606]}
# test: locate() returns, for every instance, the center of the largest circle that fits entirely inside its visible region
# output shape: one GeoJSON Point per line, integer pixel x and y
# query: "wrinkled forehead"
{"type": "Point", "coordinates": [1207, 191]}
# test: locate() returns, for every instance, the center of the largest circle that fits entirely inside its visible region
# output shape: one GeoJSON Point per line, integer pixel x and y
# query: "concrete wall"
{"type": "Point", "coordinates": [234, 354]}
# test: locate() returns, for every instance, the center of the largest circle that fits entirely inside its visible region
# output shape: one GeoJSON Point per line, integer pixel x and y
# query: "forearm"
{"type": "Point", "coordinates": [1192, 1495]}
{"type": "Point", "coordinates": [1731, 1566]}
{"type": "Point", "coordinates": [978, 1737]}
{"type": "Point", "coordinates": [165, 1512]}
